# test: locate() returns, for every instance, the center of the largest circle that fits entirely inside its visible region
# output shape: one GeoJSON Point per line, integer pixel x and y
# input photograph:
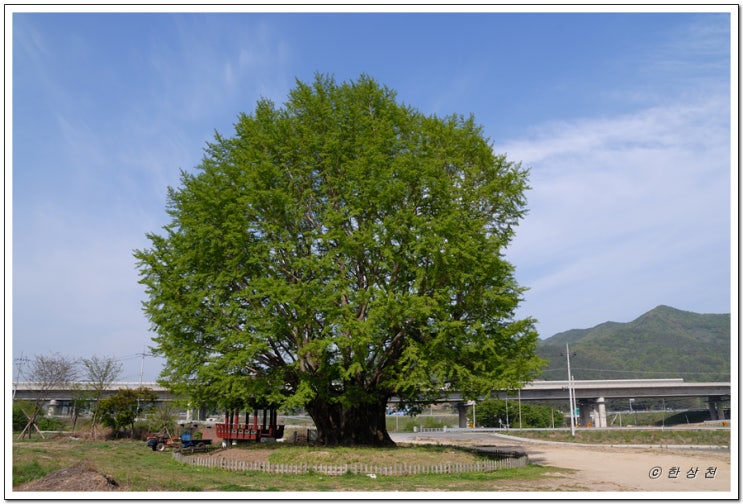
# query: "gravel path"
{"type": "Point", "coordinates": [607, 468]}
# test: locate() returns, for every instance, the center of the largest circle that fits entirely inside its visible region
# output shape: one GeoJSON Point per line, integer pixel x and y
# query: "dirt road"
{"type": "Point", "coordinates": [599, 468]}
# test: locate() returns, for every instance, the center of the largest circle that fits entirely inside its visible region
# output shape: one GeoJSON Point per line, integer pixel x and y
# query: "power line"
{"type": "Point", "coordinates": [128, 357]}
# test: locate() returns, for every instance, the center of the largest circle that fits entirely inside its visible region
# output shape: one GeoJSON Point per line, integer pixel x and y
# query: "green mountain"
{"type": "Point", "coordinates": [662, 343]}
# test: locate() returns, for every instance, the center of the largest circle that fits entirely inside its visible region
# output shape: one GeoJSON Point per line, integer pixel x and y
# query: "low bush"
{"type": "Point", "coordinates": [496, 413]}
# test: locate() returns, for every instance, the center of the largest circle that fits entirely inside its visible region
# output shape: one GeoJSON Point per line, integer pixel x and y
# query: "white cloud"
{"type": "Point", "coordinates": [625, 213]}
{"type": "Point", "coordinates": [83, 210]}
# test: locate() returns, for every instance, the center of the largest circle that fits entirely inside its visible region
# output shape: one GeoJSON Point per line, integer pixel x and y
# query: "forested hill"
{"type": "Point", "coordinates": [662, 343]}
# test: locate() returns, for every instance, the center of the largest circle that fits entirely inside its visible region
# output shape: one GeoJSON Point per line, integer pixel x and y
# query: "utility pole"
{"type": "Point", "coordinates": [520, 409]}
{"type": "Point", "coordinates": [141, 369]}
{"type": "Point", "coordinates": [141, 375]}
{"type": "Point", "coordinates": [571, 392]}
{"type": "Point", "coordinates": [19, 366]}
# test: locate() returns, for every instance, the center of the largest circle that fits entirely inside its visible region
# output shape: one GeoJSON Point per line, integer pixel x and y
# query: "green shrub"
{"type": "Point", "coordinates": [432, 423]}
{"type": "Point", "coordinates": [19, 417]}
{"type": "Point", "coordinates": [50, 423]}
{"type": "Point", "coordinates": [495, 413]}
{"type": "Point", "coordinates": [409, 425]}
{"type": "Point", "coordinates": [42, 422]}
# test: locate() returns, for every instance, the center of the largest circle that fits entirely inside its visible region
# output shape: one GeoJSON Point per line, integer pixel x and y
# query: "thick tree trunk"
{"type": "Point", "coordinates": [362, 425]}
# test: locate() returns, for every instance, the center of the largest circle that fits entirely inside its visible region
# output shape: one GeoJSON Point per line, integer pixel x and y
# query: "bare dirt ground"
{"type": "Point", "coordinates": [605, 468]}
{"type": "Point", "coordinates": [81, 477]}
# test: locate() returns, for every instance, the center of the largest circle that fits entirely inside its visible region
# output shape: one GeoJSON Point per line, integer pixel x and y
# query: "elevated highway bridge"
{"type": "Point", "coordinates": [29, 391]}
{"type": "Point", "coordinates": [590, 394]}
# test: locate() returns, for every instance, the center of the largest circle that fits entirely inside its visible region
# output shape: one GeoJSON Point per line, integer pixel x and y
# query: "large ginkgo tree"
{"type": "Point", "coordinates": [335, 252]}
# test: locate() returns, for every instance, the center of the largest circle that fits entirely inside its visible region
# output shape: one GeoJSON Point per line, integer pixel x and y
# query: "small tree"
{"type": "Point", "coordinates": [47, 373]}
{"type": "Point", "coordinates": [100, 372]}
{"type": "Point", "coordinates": [121, 409]}
{"type": "Point", "coordinates": [81, 399]}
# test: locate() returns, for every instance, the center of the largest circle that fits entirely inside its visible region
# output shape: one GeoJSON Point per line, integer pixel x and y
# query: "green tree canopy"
{"type": "Point", "coordinates": [120, 410]}
{"type": "Point", "coordinates": [336, 252]}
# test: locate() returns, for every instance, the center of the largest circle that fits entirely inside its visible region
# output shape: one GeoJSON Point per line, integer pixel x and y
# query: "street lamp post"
{"type": "Point", "coordinates": [519, 408]}
{"type": "Point", "coordinates": [552, 412]}
{"type": "Point", "coordinates": [571, 392]}
{"type": "Point", "coordinates": [508, 422]}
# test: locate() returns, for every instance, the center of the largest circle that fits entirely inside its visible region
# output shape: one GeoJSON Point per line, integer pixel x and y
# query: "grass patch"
{"type": "Point", "coordinates": [424, 455]}
{"type": "Point", "coordinates": [30, 471]}
{"type": "Point", "coordinates": [137, 468]}
{"type": "Point", "coordinates": [707, 437]}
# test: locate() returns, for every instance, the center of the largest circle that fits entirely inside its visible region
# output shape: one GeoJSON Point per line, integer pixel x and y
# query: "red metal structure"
{"type": "Point", "coordinates": [263, 427]}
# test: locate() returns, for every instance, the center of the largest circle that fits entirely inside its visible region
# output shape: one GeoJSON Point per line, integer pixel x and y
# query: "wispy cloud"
{"type": "Point", "coordinates": [700, 47]}
{"type": "Point", "coordinates": [625, 213]}
{"type": "Point", "coordinates": [214, 62]}
{"type": "Point", "coordinates": [81, 211]}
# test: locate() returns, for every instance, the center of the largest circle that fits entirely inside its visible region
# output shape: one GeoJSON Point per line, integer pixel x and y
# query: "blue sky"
{"type": "Point", "coordinates": [623, 118]}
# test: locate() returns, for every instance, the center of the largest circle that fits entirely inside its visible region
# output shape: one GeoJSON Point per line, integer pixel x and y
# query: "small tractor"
{"type": "Point", "coordinates": [185, 442]}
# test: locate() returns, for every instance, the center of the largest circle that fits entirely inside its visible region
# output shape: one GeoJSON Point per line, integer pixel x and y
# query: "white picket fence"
{"type": "Point", "coordinates": [337, 470]}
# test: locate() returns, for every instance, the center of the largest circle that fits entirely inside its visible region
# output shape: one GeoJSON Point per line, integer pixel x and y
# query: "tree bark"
{"type": "Point", "coordinates": [360, 425]}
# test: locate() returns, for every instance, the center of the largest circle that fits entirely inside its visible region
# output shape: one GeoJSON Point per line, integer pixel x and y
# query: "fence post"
{"type": "Point", "coordinates": [395, 469]}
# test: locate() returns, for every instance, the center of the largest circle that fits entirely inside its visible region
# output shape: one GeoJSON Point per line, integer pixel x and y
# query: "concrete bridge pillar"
{"type": "Point", "coordinates": [194, 414]}
{"type": "Point", "coordinates": [585, 408]}
{"type": "Point", "coordinates": [592, 412]}
{"type": "Point", "coordinates": [712, 410]}
{"type": "Point", "coordinates": [53, 408]}
{"type": "Point", "coordinates": [716, 411]}
{"type": "Point", "coordinates": [601, 413]}
{"type": "Point", "coordinates": [462, 410]}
